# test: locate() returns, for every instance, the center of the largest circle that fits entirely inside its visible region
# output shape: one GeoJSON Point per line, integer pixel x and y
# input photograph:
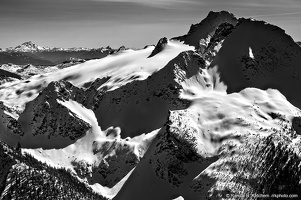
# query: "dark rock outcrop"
{"type": "Point", "coordinates": [159, 47]}
{"type": "Point", "coordinates": [206, 27]}
{"type": "Point", "coordinates": [260, 55]}
{"type": "Point", "coordinates": [48, 118]}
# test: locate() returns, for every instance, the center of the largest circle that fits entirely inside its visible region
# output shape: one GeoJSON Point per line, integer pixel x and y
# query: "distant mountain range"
{"type": "Point", "coordinates": [30, 53]}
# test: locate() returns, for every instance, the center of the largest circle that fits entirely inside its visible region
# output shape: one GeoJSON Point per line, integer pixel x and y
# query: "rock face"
{"type": "Point", "coordinates": [142, 106]}
{"type": "Point", "coordinates": [209, 50]}
{"type": "Point", "coordinates": [9, 125]}
{"type": "Point", "coordinates": [265, 165]}
{"type": "Point", "coordinates": [5, 74]}
{"type": "Point", "coordinates": [201, 154]}
{"type": "Point", "coordinates": [159, 47]}
{"type": "Point", "coordinates": [109, 171]}
{"type": "Point", "coordinates": [259, 55]}
{"type": "Point", "coordinates": [23, 177]}
{"type": "Point", "coordinates": [206, 28]}
{"type": "Point", "coordinates": [47, 117]}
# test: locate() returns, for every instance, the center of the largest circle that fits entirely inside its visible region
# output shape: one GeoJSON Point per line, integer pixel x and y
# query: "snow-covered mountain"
{"type": "Point", "coordinates": [32, 47]}
{"type": "Point", "coordinates": [213, 114]}
{"type": "Point", "coordinates": [28, 47]}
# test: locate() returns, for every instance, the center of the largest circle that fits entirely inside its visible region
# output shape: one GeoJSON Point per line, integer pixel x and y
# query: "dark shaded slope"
{"type": "Point", "coordinates": [5, 74]}
{"type": "Point", "coordinates": [257, 54]}
{"type": "Point", "coordinates": [142, 106]}
{"type": "Point", "coordinates": [159, 47]}
{"type": "Point", "coordinates": [48, 123]}
{"type": "Point", "coordinates": [169, 166]}
{"type": "Point", "coordinates": [21, 59]}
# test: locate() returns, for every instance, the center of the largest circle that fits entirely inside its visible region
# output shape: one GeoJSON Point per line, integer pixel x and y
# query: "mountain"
{"type": "Point", "coordinates": [247, 59]}
{"type": "Point", "coordinates": [32, 47]}
{"type": "Point", "coordinates": [30, 179]}
{"type": "Point", "coordinates": [203, 31]}
{"type": "Point", "coordinates": [30, 53]}
{"type": "Point", "coordinates": [212, 114]}
{"type": "Point", "coordinates": [28, 47]}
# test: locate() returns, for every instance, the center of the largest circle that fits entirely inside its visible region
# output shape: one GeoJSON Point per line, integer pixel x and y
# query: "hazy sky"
{"type": "Point", "coordinates": [133, 23]}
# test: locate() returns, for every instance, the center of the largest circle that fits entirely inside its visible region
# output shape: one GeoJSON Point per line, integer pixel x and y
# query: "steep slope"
{"type": "Point", "coordinates": [23, 177]}
{"type": "Point", "coordinates": [6, 74]}
{"type": "Point", "coordinates": [159, 47]}
{"type": "Point", "coordinates": [203, 31]}
{"type": "Point", "coordinates": [208, 50]}
{"type": "Point", "coordinates": [257, 54]}
{"type": "Point", "coordinates": [10, 129]}
{"type": "Point", "coordinates": [47, 118]}
{"type": "Point", "coordinates": [187, 158]}
{"type": "Point", "coordinates": [142, 106]}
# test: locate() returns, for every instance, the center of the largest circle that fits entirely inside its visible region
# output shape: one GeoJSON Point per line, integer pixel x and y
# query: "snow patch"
{"type": "Point", "coordinates": [251, 53]}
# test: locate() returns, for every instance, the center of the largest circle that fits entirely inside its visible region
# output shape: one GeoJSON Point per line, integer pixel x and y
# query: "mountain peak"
{"type": "Point", "coordinates": [223, 13]}
{"type": "Point", "coordinates": [29, 43]}
{"type": "Point", "coordinates": [160, 46]}
{"type": "Point", "coordinates": [207, 27]}
{"type": "Point", "coordinates": [28, 46]}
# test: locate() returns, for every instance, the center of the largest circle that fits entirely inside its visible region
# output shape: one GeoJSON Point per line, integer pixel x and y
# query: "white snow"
{"type": "Point", "coordinates": [122, 67]}
{"type": "Point", "coordinates": [179, 198]}
{"type": "Point", "coordinates": [82, 149]}
{"type": "Point", "coordinates": [251, 53]}
{"type": "Point", "coordinates": [111, 192]}
{"type": "Point", "coordinates": [85, 114]}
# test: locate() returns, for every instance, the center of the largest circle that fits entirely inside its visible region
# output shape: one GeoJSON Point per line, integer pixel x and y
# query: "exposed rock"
{"type": "Point", "coordinates": [9, 125]}
{"type": "Point", "coordinates": [216, 41]}
{"type": "Point", "coordinates": [119, 159]}
{"type": "Point", "coordinates": [206, 27]}
{"type": "Point", "coordinates": [142, 106]}
{"type": "Point", "coordinates": [23, 177]}
{"type": "Point", "coordinates": [249, 59]}
{"type": "Point", "coordinates": [46, 116]}
{"type": "Point", "coordinates": [159, 47]}
{"type": "Point", "coordinates": [261, 166]}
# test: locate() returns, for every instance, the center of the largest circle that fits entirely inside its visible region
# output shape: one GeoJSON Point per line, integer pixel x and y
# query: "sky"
{"type": "Point", "coordinates": [132, 23]}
